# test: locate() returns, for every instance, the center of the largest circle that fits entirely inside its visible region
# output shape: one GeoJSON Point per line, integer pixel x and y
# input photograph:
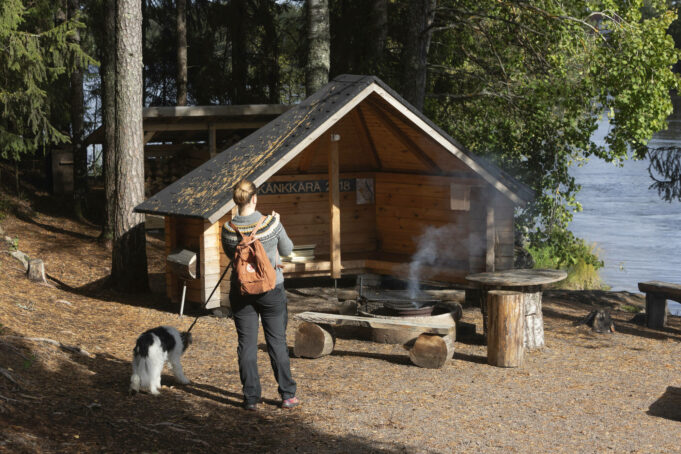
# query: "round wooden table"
{"type": "Point", "coordinates": [527, 282]}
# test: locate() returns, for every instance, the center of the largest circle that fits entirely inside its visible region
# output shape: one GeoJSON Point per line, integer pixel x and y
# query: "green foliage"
{"type": "Point", "coordinates": [630, 308]}
{"type": "Point", "coordinates": [36, 54]}
{"type": "Point", "coordinates": [28, 362]}
{"type": "Point", "coordinates": [525, 85]}
{"type": "Point", "coordinates": [15, 244]}
{"type": "Point", "coordinates": [580, 261]}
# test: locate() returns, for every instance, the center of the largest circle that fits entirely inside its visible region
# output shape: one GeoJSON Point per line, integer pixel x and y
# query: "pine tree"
{"type": "Point", "coordinates": [36, 53]}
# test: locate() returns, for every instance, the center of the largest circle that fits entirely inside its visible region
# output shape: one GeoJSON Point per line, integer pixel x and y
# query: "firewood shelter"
{"type": "Point", "coordinates": [357, 174]}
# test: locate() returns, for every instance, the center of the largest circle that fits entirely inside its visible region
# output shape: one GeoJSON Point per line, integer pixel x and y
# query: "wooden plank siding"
{"type": "Point", "coordinates": [503, 230]}
{"type": "Point", "coordinates": [185, 233]}
{"type": "Point", "coordinates": [406, 206]}
{"type": "Point", "coordinates": [210, 264]}
{"type": "Point", "coordinates": [306, 216]}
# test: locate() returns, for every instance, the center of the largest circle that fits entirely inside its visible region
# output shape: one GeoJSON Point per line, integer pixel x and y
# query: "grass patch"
{"type": "Point", "coordinates": [582, 272]}
{"type": "Point", "coordinates": [630, 308]}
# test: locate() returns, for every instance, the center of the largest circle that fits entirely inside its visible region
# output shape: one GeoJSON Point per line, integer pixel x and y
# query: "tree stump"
{"type": "Point", "coordinates": [505, 330]}
{"type": "Point", "coordinates": [36, 270]}
{"type": "Point", "coordinates": [313, 341]}
{"type": "Point", "coordinates": [432, 351]}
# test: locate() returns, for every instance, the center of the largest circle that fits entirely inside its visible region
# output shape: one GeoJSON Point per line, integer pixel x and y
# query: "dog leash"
{"type": "Point", "coordinates": [210, 296]}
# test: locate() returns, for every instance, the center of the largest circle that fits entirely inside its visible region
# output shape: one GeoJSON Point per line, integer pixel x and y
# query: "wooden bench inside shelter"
{"type": "Point", "coordinates": [315, 338]}
{"type": "Point", "coordinates": [657, 294]}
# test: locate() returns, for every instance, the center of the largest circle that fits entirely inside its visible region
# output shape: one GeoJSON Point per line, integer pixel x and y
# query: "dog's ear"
{"type": "Point", "coordinates": [186, 338]}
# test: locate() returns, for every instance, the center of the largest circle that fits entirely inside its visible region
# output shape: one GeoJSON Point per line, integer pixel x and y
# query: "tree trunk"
{"type": "Point", "coordinates": [379, 34]}
{"type": "Point", "coordinates": [145, 28]}
{"type": "Point", "coordinates": [77, 109]}
{"type": "Point", "coordinates": [239, 58]}
{"type": "Point", "coordinates": [271, 44]}
{"type": "Point", "coordinates": [319, 45]}
{"type": "Point", "coordinates": [181, 52]}
{"type": "Point", "coordinates": [506, 312]}
{"type": "Point", "coordinates": [432, 351]}
{"type": "Point", "coordinates": [108, 77]}
{"type": "Point", "coordinates": [16, 176]}
{"type": "Point", "coordinates": [414, 57]}
{"type": "Point", "coordinates": [312, 341]}
{"type": "Point", "coordinates": [129, 258]}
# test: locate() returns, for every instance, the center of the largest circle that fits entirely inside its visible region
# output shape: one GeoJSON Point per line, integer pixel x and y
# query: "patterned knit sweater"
{"type": "Point", "coordinates": [271, 234]}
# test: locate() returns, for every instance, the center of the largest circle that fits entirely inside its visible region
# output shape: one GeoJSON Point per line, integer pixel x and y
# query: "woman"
{"type": "Point", "coordinates": [270, 306]}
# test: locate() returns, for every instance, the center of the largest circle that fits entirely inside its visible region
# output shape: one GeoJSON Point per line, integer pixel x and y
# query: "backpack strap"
{"type": "Point", "coordinates": [255, 229]}
{"type": "Point", "coordinates": [250, 237]}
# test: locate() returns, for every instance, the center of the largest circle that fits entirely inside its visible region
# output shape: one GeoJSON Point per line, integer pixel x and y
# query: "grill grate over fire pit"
{"type": "Point", "coordinates": [397, 303]}
{"type": "Point", "coordinates": [410, 308]}
{"type": "Point", "coordinates": [384, 303]}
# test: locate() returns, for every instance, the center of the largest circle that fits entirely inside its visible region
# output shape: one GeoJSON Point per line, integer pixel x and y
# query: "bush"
{"type": "Point", "coordinates": [582, 265]}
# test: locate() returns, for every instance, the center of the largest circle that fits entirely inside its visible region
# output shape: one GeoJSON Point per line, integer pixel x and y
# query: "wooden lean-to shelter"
{"type": "Point", "coordinates": [392, 174]}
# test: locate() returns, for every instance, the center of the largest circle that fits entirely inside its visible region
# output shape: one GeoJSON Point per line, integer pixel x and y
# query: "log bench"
{"type": "Point", "coordinates": [657, 294]}
{"type": "Point", "coordinates": [431, 349]}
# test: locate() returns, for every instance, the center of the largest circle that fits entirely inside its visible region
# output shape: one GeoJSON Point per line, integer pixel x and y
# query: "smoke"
{"type": "Point", "coordinates": [437, 247]}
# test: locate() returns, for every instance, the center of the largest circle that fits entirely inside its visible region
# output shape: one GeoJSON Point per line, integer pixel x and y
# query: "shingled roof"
{"type": "Point", "coordinates": [206, 192]}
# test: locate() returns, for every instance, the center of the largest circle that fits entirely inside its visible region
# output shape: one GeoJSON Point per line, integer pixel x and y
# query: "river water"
{"type": "Point", "coordinates": [637, 234]}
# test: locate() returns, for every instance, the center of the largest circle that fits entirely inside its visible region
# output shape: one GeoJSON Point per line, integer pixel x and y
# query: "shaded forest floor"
{"type": "Point", "coordinates": [584, 392]}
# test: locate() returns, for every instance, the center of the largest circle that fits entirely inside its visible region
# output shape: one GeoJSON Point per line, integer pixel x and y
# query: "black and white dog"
{"type": "Point", "coordinates": [154, 347]}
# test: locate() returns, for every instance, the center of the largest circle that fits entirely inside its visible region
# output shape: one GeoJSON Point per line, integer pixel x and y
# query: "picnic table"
{"type": "Point", "coordinates": [657, 294]}
{"type": "Point", "coordinates": [530, 284]}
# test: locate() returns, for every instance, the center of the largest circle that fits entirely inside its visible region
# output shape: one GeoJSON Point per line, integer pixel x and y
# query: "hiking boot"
{"type": "Point", "coordinates": [290, 403]}
{"type": "Point", "coordinates": [250, 406]}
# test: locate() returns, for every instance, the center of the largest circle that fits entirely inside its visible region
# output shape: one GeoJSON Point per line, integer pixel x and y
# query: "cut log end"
{"type": "Point", "coordinates": [313, 341]}
{"type": "Point", "coordinates": [432, 351]}
{"type": "Point", "coordinates": [36, 271]}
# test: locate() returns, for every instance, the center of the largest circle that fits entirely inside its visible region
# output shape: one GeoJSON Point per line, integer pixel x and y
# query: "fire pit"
{"type": "Point", "coordinates": [398, 304]}
{"type": "Point", "coordinates": [410, 308]}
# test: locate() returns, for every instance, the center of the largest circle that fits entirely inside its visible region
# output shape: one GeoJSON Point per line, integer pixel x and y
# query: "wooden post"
{"type": "Point", "coordinates": [334, 208]}
{"type": "Point", "coordinates": [212, 145]}
{"type": "Point", "coordinates": [506, 318]}
{"type": "Point", "coordinates": [313, 341]}
{"type": "Point", "coordinates": [656, 310]}
{"type": "Point", "coordinates": [490, 236]}
{"type": "Point", "coordinates": [171, 242]}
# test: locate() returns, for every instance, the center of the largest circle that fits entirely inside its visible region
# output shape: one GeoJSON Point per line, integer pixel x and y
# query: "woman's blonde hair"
{"type": "Point", "coordinates": [243, 192]}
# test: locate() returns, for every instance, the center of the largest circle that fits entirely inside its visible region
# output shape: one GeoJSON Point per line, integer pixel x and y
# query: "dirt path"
{"type": "Point", "coordinates": [583, 393]}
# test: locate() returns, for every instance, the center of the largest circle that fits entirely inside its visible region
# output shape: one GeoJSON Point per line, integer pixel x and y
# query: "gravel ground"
{"type": "Point", "coordinates": [584, 392]}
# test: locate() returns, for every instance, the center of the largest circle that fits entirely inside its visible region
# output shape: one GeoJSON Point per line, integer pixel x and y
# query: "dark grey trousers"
{"type": "Point", "coordinates": [273, 312]}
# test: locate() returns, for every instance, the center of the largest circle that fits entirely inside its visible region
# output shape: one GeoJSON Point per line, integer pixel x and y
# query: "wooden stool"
{"type": "Point", "coordinates": [506, 325]}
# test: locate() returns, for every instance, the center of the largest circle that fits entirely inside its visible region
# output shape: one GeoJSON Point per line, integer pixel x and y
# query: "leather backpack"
{"type": "Point", "coordinates": [253, 269]}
